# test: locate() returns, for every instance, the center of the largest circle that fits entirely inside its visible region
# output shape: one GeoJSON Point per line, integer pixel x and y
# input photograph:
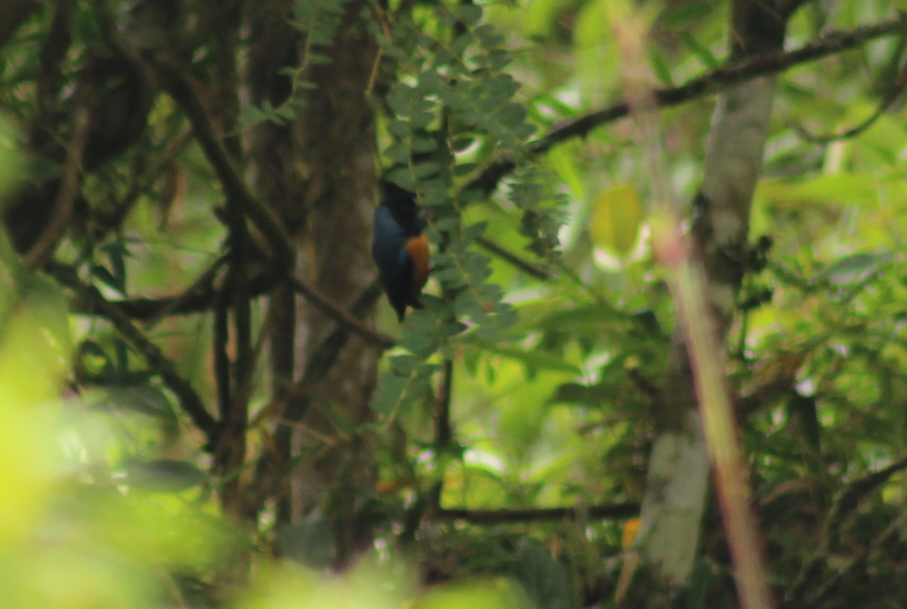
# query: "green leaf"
{"type": "Point", "coordinates": [401, 129]}
{"type": "Point", "coordinates": [682, 14]}
{"type": "Point", "coordinates": [425, 170]}
{"type": "Point", "coordinates": [469, 13]}
{"type": "Point", "coordinates": [107, 278]}
{"type": "Point", "coordinates": [145, 399]}
{"type": "Point", "coordinates": [461, 143]}
{"type": "Point", "coordinates": [704, 55]}
{"type": "Point", "coordinates": [398, 152]}
{"type": "Point", "coordinates": [853, 267]}
{"type": "Point", "coordinates": [660, 66]}
{"type": "Point", "coordinates": [576, 393]}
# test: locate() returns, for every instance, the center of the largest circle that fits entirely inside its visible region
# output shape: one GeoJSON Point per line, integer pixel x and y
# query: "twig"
{"type": "Point", "coordinates": [204, 282]}
{"type": "Point", "coordinates": [201, 296]}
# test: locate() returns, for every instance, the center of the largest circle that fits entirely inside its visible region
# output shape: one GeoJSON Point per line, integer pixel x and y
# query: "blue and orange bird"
{"type": "Point", "coordinates": [400, 248]}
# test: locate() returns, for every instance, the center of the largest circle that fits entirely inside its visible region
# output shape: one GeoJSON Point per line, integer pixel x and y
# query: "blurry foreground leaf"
{"type": "Point", "coordinates": [367, 586]}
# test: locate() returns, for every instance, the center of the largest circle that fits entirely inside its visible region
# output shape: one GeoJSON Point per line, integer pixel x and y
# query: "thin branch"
{"type": "Point", "coordinates": [67, 192]}
{"type": "Point", "coordinates": [188, 399]}
{"type": "Point", "coordinates": [707, 84]}
{"type": "Point", "coordinates": [234, 185]}
{"type": "Point", "coordinates": [891, 96]}
{"type": "Point", "coordinates": [533, 270]}
{"type": "Point", "coordinates": [323, 359]}
{"type": "Point", "coordinates": [612, 511]}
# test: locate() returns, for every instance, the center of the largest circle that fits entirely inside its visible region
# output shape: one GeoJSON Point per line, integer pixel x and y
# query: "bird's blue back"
{"type": "Point", "coordinates": [389, 245]}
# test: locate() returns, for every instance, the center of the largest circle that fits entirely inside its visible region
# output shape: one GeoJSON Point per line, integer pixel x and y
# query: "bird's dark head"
{"type": "Point", "coordinates": [402, 203]}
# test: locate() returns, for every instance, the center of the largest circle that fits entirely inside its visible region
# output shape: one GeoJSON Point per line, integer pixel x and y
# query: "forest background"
{"type": "Point", "coordinates": [644, 216]}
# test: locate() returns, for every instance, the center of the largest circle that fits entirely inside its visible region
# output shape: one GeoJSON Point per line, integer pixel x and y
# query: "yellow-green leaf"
{"type": "Point", "coordinates": [616, 219]}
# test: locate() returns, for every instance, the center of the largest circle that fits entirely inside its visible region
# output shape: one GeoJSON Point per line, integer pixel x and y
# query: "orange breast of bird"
{"type": "Point", "coordinates": [418, 250]}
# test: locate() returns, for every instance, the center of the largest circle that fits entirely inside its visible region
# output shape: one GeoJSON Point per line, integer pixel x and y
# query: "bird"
{"type": "Point", "coordinates": [400, 248]}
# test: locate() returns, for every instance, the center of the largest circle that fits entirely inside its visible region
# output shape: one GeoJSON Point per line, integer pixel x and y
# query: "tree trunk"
{"type": "Point", "coordinates": [321, 174]}
{"type": "Point", "coordinates": [677, 481]}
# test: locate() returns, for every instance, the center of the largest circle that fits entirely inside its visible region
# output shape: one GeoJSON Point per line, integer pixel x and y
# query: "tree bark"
{"type": "Point", "coordinates": [320, 174]}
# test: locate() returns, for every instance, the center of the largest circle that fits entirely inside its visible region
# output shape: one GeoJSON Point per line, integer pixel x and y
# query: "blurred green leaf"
{"type": "Point", "coordinates": [853, 267]}
{"type": "Point", "coordinates": [660, 66]}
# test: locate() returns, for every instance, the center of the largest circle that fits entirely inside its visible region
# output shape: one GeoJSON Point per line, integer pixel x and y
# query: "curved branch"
{"type": "Point", "coordinates": [707, 84]}
{"type": "Point", "coordinates": [891, 96]}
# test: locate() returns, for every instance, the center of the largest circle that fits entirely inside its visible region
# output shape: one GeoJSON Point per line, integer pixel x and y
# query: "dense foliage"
{"type": "Point", "coordinates": [164, 193]}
